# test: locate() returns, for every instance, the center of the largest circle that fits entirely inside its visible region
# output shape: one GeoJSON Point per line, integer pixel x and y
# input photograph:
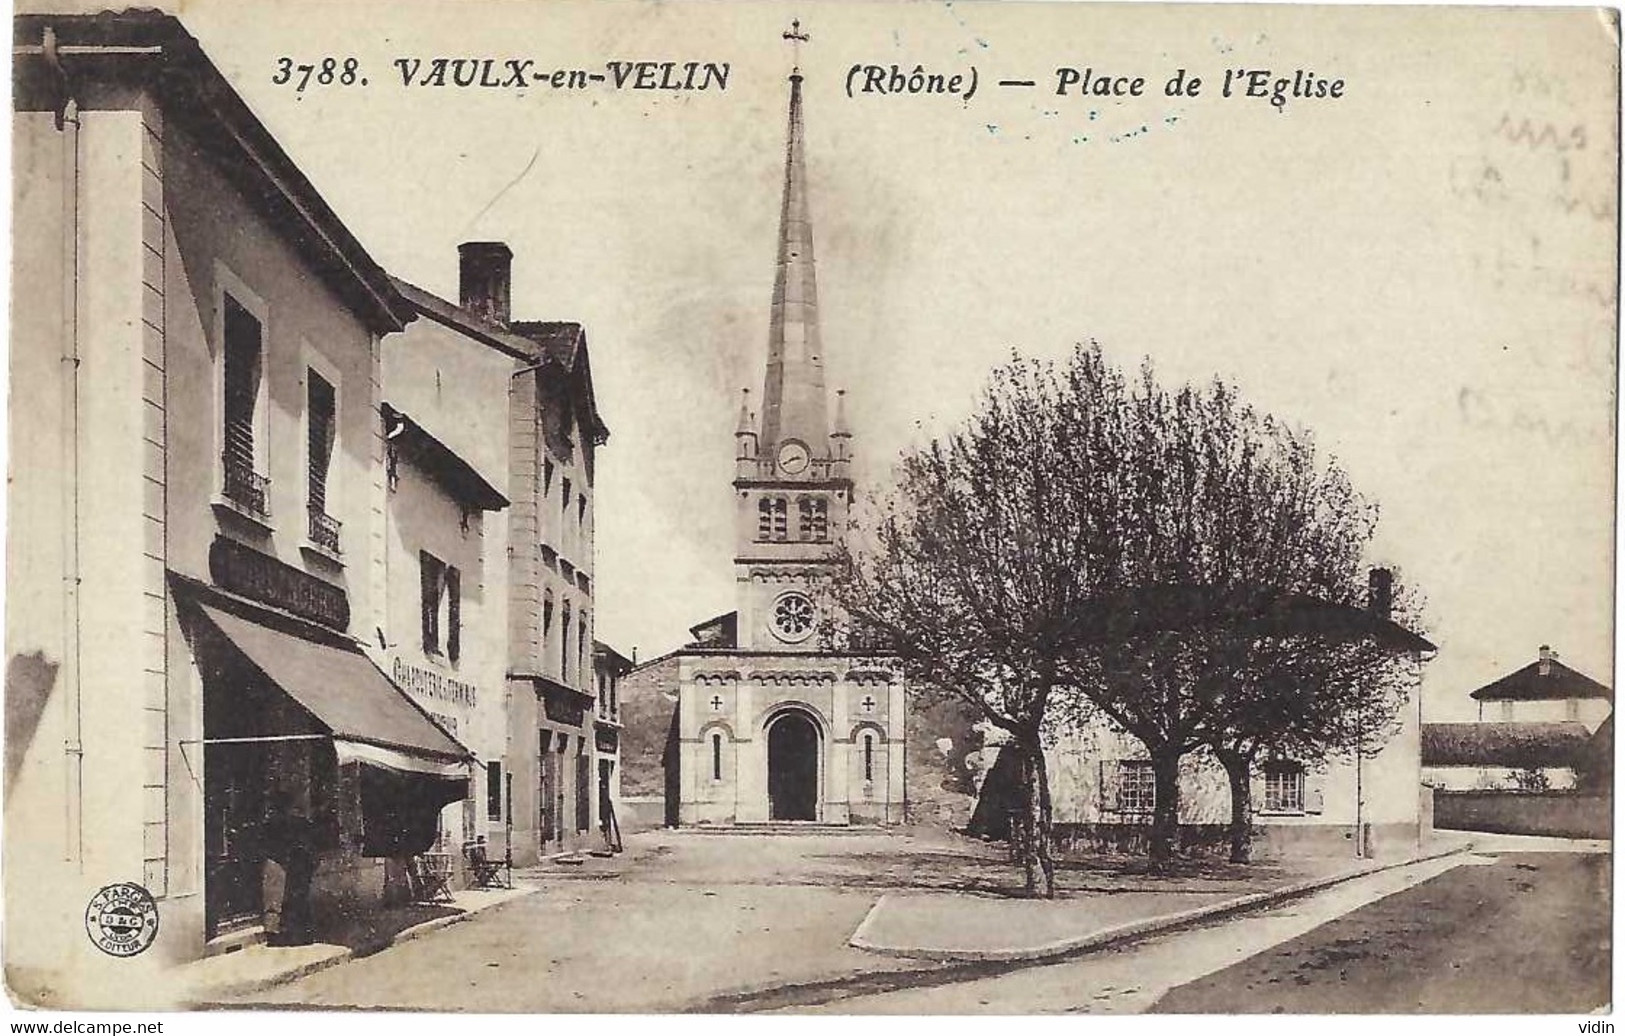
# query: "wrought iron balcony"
{"type": "Point", "coordinates": [324, 530]}
{"type": "Point", "coordinates": [246, 488]}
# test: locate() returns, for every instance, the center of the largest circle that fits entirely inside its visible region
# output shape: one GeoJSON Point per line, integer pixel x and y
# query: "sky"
{"type": "Point", "coordinates": [1421, 271]}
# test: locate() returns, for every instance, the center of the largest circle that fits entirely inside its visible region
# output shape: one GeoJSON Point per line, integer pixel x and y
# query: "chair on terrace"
{"type": "Point", "coordinates": [430, 876]}
{"type": "Point", "coordinates": [484, 872]}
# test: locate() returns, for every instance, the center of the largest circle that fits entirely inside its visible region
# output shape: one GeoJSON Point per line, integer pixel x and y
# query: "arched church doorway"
{"type": "Point", "coordinates": [792, 767]}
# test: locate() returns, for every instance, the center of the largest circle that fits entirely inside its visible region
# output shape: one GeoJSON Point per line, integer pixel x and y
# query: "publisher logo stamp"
{"type": "Point", "coordinates": [122, 919]}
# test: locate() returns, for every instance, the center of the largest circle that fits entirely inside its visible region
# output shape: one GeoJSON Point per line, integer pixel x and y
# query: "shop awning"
{"type": "Point", "coordinates": [370, 719]}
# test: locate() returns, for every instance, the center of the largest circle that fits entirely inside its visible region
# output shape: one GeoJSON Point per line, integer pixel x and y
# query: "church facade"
{"type": "Point", "coordinates": [772, 724]}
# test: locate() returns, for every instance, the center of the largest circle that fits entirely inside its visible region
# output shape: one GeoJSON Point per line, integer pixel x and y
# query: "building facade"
{"type": "Point", "coordinates": [1545, 691]}
{"type": "Point", "coordinates": [609, 668]}
{"type": "Point", "coordinates": [545, 784]}
{"type": "Point", "coordinates": [198, 517]}
{"type": "Point", "coordinates": [772, 723]}
{"type": "Point", "coordinates": [1370, 804]}
{"type": "Point", "coordinates": [445, 637]}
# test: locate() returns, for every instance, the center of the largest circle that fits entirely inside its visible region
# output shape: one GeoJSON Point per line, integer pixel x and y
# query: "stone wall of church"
{"type": "Point", "coordinates": [728, 707]}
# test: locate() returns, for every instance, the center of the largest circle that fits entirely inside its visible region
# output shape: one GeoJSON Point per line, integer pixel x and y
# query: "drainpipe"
{"type": "Point", "coordinates": [73, 745]}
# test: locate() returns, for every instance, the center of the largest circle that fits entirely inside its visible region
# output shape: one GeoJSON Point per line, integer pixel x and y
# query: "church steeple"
{"type": "Point", "coordinates": [794, 405]}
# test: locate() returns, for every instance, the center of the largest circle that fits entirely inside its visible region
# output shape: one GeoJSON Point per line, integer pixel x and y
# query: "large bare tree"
{"type": "Point", "coordinates": [978, 566]}
{"type": "Point", "coordinates": [1090, 542]}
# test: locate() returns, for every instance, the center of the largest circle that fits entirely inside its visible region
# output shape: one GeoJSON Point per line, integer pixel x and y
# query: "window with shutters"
{"type": "Point", "coordinates": [454, 614]}
{"type": "Point", "coordinates": [243, 447]}
{"type": "Point", "coordinates": [565, 542]}
{"type": "Point", "coordinates": [583, 656]}
{"type": "Point", "coordinates": [321, 419]}
{"type": "Point", "coordinates": [564, 646]}
{"type": "Point", "coordinates": [547, 621]}
{"type": "Point", "coordinates": [1136, 786]}
{"type": "Point", "coordinates": [441, 603]}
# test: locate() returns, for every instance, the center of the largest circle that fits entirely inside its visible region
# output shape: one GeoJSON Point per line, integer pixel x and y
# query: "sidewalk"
{"type": "Point", "coordinates": [949, 926]}
{"type": "Point", "coordinates": [259, 967]}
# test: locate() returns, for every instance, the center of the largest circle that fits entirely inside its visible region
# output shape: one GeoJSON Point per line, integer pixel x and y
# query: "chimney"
{"type": "Point", "coordinates": [1546, 657]}
{"type": "Point", "coordinates": [1381, 597]}
{"type": "Point", "coordinates": [484, 279]}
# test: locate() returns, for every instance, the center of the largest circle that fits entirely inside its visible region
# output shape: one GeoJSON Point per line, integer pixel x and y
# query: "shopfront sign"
{"type": "Point", "coordinates": [606, 737]}
{"type": "Point", "coordinates": [425, 683]}
{"type": "Point", "coordinates": [244, 570]}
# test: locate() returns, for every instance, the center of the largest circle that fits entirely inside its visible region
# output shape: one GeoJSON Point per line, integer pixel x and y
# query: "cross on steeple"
{"type": "Point", "coordinates": [796, 38]}
{"type": "Point", "coordinates": [868, 703]}
{"type": "Point", "coordinates": [716, 703]}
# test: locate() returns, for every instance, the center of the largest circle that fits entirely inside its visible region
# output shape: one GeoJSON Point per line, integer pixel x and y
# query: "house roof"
{"type": "Point", "coordinates": [717, 631]}
{"type": "Point", "coordinates": [99, 57]}
{"type": "Point", "coordinates": [617, 661]}
{"type": "Point", "coordinates": [459, 319]}
{"type": "Point", "coordinates": [564, 344]}
{"type": "Point", "coordinates": [1514, 745]}
{"type": "Point", "coordinates": [461, 480]}
{"type": "Point", "coordinates": [1558, 682]}
{"type": "Point", "coordinates": [546, 344]}
{"type": "Point", "coordinates": [1265, 613]}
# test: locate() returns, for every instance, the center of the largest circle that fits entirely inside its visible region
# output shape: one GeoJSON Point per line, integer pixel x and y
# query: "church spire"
{"type": "Point", "coordinates": [793, 405]}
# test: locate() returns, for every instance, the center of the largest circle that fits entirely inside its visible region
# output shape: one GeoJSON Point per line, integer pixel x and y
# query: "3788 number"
{"type": "Point", "coordinates": [326, 72]}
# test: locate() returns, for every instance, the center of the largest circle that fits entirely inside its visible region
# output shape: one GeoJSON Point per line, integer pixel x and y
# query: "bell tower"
{"type": "Point", "coordinates": [792, 477]}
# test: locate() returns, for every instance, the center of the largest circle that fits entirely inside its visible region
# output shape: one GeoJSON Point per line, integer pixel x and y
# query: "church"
{"type": "Point", "coordinates": [771, 723]}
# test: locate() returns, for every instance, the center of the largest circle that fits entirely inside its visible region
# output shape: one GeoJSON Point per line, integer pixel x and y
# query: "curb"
{"type": "Point", "coordinates": [340, 955]}
{"type": "Point", "coordinates": [1134, 929]}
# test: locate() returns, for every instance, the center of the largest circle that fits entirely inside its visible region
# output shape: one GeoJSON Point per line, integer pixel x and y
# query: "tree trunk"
{"type": "Point", "coordinates": [1165, 818]}
{"type": "Point", "coordinates": [1239, 768]}
{"type": "Point", "coordinates": [1030, 824]}
{"type": "Point", "coordinates": [1044, 826]}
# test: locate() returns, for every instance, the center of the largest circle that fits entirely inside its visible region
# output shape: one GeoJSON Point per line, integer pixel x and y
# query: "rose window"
{"type": "Point", "coordinates": [793, 616]}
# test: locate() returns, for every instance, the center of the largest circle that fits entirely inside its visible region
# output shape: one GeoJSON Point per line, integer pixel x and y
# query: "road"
{"type": "Point", "coordinates": [734, 925]}
{"type": "Point", "coordinates": [1529, 934]}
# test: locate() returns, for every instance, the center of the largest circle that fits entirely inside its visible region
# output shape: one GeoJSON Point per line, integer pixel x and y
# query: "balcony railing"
{"type": "Point", "coordinates": [246, 488]}
{"type": "Point", "coordinates": [324, 530]}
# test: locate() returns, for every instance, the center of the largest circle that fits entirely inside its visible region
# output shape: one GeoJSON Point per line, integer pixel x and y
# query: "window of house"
{"type": "Point", "coordinates": [547, 479]}
{"type": "Point", "coordinates": [565, 502]}
{"type": "Point", "coordinates": [813, 522]}
{"type": "Point", "coordinates": [565, 645]}
{"type": "Point", "coordinates": [772, 519]}
{"type": "Point", "coordinates": [454, 614]}
{"type": "Point", "coordinates": [243, 373]}
{"type": "Point", "coordinates": [321, 411]}
{"type": "Point", "coordinates": [868, 757]}
{"type": "Point", "coordinates": [716, 757]}
{"type": "Point", "coordinates": [581, 510]}
{"type": "Point", "coordinates": [584, 659]}
{"type": "Point", "coordinates": [441, 607]}
{"type": "Point", "coordinates": [547, 618]}
{"type": "Point", "coordinates": [1136, 786]}
{"type": "Point", "coordinates": [1283, 788]}
{"type": "Point", "coordinates": [493, 790]}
